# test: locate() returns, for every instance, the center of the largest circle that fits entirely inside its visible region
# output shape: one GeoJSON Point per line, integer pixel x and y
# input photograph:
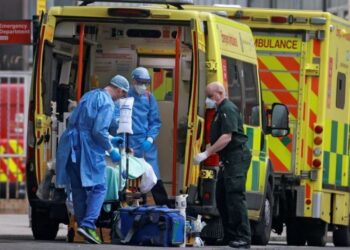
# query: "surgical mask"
{"type": "Point", "coordinates": [140, 89]}
{"type": "Point", "coordinates": [210, 103]}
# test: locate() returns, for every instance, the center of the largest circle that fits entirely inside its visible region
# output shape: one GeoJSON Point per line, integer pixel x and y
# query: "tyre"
{"type": "Point", "coordinates": [212, 231]}
{"type": "Point", "coordinates": [295, 232]}
{"type": "Point", "coordinates": [317, 233]}
{"type": "Point", "coordinates": [43, 227]}
{"type": "Point", "coordinates": [262, 229]}
{"type": "Point", "coordinates": [341, 236]}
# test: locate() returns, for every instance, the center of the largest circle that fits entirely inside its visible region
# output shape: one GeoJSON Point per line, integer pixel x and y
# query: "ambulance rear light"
{"type": "Point", "coordinates": [318, 129]}
{"type": "Point", "coordinates": [206, 196]}
{"type": "Point", "coordinates": [241, 18]}
{"type": "Point", "coordinates": [260, 19]}
{"type": "Point", "coordinates": [279, 19]}
{"type": "Point", "coordinates": [128, 12]}
{"type": "Point", "coordinates": [308, 202]}
{"type": "Point", "coordinates": [317, 152]}
{"type": "Point", "coordinates": [316, 163]}
{"type": "Point", "coordinates": [318, 20]}
{"type": "Point", "coordinates": [300, 19]}
{"type": "Point", "coordinates": [317, 140]}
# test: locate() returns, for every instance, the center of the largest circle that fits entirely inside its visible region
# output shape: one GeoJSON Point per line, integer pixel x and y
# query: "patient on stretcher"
{"type": "Point", "coordinates": [137, 167]}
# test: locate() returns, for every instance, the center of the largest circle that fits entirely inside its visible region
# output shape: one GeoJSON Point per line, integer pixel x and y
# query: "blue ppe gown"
{"type": "Point", "coordinates": [80, 155]}
{"type": "Point", "coordinates": [145, 123]}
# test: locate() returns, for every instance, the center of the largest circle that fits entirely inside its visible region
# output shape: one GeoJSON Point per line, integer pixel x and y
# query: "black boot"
{"type": "Point", "coordinates": [159, 193]}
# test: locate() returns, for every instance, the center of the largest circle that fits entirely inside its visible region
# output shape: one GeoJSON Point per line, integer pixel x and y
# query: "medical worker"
{"type": "Point", "coordinates": [228, 139]}
{"type": "Point", "coordinates": [145, 125]}
{"type": "Point", "coordinates": [81, 153]}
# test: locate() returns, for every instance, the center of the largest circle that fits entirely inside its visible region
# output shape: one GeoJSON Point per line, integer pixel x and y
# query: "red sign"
{"type": "Point", "coordinates": [15, 32]}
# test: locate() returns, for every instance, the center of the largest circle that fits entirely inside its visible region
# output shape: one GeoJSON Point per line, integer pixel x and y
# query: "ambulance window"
{"type": "Point", "coordinates": [47, 81]}
{"type": "Point", "coordinates": [234, 86]}
{"type": "Point", "coordinates": [341, 84]}
{"type": "Point", "coordinates": [250, 91]}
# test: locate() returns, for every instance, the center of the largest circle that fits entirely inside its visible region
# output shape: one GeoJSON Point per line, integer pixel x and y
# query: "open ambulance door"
{"type": "Point", "coordinates": [40, 139]}
{"type": "Point", "coordinates": [36, 123]}
{"type": "Point", "coordinates": [195, 121]}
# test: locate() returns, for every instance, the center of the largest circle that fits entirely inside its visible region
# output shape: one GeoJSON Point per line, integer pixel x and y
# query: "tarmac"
{"type": "Point", "coordinates": [19, 224]}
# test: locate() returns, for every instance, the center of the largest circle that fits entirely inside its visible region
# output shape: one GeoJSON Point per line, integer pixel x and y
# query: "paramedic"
{"type": "Point", "coordinates": [146, 124]}
{"type": "Point", "coordinates": [81, 152]}
{"type": "Point", "coordinates": [228, 139]}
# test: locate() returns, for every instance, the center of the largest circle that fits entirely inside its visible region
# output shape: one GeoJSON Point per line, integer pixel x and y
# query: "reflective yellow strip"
{"type": "Point", "coordinates": [16, 147]}
{"type": "Point", "coordinates": [10, 163]}
{"type": "Point", "coordinates": [284, 75]}
{"type": "Point", "coordinates": [332, 170]}
{"type": "Point", "coordinates": [3, 177]}
{"type": "Point", "coordinates": [340, 136]}
{"type": "Point", "coordinates": [15, 170]}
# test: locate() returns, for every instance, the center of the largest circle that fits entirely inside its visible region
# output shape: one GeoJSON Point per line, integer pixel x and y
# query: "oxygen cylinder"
{"type": "Point", "coordinates": [181, 204]}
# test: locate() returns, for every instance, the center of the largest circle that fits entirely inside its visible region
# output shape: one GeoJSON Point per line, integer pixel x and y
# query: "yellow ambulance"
{"type": "Point", "coordinates": [304, 61]}
{"type": "Point", "coordinates": [79, 48]}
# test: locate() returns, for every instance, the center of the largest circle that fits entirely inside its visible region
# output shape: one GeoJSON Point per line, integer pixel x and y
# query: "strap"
{"type": "Point", "coordinates": [116, 234]}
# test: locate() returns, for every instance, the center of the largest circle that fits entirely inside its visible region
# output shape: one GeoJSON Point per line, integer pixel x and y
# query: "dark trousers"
{"type": "Point", "coordinates": [231, 200]}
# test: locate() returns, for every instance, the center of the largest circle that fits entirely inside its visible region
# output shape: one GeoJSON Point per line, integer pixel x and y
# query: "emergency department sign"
{"type": "Point", "coordinates": [15, 32]}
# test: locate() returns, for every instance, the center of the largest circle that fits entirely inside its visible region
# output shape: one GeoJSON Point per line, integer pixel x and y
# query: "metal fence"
{"type": "Point", "coordinates": [14, 98]}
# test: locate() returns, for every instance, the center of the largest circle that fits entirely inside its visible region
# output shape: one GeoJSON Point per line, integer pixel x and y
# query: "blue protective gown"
{"type": "Point", "coordinates": [80, 157]}
{"type": "Point", "coordinates": [145, 123]}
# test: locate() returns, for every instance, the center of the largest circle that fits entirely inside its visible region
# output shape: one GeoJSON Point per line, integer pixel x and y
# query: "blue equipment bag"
{"type": "Point", "coordinates": [152, 225]}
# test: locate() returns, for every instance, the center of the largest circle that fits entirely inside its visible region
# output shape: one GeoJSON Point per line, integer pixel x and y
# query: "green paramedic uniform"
{"type": "Point", "coordinates": [235, 158]}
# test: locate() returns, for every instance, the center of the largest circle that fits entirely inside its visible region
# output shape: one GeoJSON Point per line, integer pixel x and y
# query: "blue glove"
{"type": "Point", "coordinates": [124, 174]}
{"type": "Point", "coordinates": [146, 145]}
{"type": "Point", "coordinates": [114, 154]}
{"type": "Point", "coordinates": [117, 140]}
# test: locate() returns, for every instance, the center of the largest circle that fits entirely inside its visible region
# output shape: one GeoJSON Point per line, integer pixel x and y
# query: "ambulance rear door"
{"type": "Point", "coordinates": [280, 63]}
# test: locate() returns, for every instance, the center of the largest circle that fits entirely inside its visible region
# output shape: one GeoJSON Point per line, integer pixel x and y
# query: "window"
{"type": "Point", "coordinates": [242, 85]}
{"type": "Point", "coordinates": [234, 84]}
{"type": "Point", "coordinates": [341, 86]}
{"type": "Point", "coordinates": [250, 81]}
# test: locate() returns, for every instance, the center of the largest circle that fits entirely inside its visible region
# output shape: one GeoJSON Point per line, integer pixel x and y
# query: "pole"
{"type": "Point", "coordinates": [80, 60]}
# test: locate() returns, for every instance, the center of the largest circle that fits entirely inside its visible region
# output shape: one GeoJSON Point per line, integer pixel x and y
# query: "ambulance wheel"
{"type": "Point", "coordinates": [317, 233]}
{"type": "Point", "coordinates": [42, 227]}
{"type": "Point", "coordinates": [295, 232]}
{"type": "Point", "coordinates": [212, 231]}
{"type": "Point", "coordinates": [262, 229]}
{"type": "Point", "coordinates": [341, 236]}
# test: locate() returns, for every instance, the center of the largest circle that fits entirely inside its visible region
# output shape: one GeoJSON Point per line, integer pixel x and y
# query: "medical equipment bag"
{"type": "Point", "coordinates": [152, 225]}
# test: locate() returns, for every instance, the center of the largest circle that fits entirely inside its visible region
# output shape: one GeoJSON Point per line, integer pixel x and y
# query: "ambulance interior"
{"type": "Point", "coordinates": [114, 48]}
